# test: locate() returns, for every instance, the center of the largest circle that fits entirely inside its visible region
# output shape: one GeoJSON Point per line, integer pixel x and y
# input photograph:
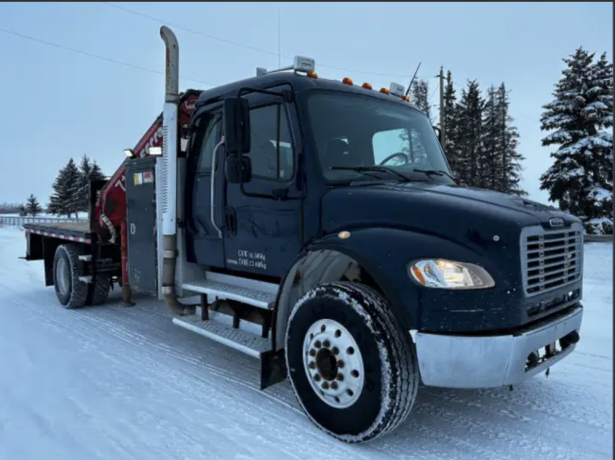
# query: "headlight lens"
{"type": "Point", "coordinates": [447, 274]}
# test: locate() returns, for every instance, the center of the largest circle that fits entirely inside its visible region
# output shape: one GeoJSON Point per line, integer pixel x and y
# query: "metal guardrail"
{"type": "Point", "coordinates": [598, 238]}
{"type": "Point", "coordinates": [19, 221]}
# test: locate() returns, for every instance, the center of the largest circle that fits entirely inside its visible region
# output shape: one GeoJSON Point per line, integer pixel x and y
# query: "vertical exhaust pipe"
{"type": "Point", "coordinates": [169, 173]}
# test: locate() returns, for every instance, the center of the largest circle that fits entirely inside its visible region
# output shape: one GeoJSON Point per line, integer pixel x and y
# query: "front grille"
{"type": "Point", "coordinates": [551, 259]}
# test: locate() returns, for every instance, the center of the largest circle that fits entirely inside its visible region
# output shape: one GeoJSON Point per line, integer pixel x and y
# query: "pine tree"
{"type": "Point", "coordinates": [451, 125]}
{"type": "Point", "coordinates": [492, 164]}
{"type": "Point", "coordinates": [420, 97]}
{"type": "Point", "coordinates": [469, 116]}
{"type": "Point", "coordinates": [96, 173]}
{"type": "Point", "coordinates": [65, 197]}
{"type": "Point", "coordinates": [85, 170]}
{"type": "Point", "coordinates": [88, 171]}
{"type": "Point", "coordinates": [581, 177]}
{"type": "Point", "coordinates": [510, 159]}
{"type": "Point", "coordinates": [33, 207]}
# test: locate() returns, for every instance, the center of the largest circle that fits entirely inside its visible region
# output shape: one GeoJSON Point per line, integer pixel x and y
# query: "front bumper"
{"type": "Point", "coordinates": [486, 362]}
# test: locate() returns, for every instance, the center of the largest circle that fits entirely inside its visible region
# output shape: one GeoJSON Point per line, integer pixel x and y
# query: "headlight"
{"type": "Point", "coordinates": [446, 274]}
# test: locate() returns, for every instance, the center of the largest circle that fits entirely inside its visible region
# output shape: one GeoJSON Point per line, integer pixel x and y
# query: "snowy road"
{"type": "Point", "coordinates": [115, 383]}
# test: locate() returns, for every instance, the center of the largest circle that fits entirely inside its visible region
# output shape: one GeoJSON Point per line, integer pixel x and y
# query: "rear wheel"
{"type": "Point", "coordinates": [67, 268]}
{"type": "Point", "coordinates": [353, 369]}
{"type": "Point", "coordinates": [98, 289]}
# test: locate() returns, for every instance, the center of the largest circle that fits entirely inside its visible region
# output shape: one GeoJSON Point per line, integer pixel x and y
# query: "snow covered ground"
{"type": "Point", "coordinates": [117, 383]}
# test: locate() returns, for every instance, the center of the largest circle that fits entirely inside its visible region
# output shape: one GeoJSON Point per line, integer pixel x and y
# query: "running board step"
{"type": "Point", "coordinates": [245, 342]}
{"type": "Point", "coordinates": [226, 291]}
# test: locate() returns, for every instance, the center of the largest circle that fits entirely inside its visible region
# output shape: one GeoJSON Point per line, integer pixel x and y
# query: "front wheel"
{"type": "Point", "coordinates": [352, 368]}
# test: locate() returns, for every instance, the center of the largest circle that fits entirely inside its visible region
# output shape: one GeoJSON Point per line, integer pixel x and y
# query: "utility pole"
{"type": "Point", "coordinates": [442, 108]}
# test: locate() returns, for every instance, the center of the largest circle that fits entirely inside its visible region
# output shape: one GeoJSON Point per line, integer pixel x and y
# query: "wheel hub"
{"type": "Point", "coordinates": [62, 276]}
{"type": "Point", "coordinates": [333, 363]}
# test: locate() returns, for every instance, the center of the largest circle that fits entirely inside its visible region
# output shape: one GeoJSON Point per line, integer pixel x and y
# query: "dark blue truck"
{"type": "Point", "coordinates": [316, 225]}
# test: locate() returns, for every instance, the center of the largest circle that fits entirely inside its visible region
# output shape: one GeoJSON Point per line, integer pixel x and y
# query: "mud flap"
{"type": "Point", "coordinates": [273, 368]}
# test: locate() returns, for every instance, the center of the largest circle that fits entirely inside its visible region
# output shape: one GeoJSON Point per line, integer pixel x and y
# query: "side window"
{"type": "Point", "coordinates": [387, 143]}
{"type": "Point", "coordinates": [271, 150]}
{"type": "Point", "coordinates": [210, 139]}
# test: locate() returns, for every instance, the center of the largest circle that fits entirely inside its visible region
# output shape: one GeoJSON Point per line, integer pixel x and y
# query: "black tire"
{"type": "Point", "coordinates": [390, 366]}
{"type": "Point", "coordinates": [98, 289]}
{"type": "Point", "coordinates": [71, 292]}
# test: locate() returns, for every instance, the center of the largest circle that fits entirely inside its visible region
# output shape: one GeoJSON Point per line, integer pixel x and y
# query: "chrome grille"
{"type": "Point", "coordinates": [551, 259]}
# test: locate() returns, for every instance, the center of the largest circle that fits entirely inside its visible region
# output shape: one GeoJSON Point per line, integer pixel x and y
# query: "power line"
{"type": "Point", "coordinates": [93, 55]}
{"type": "Point", "coordinates": [243, 45]}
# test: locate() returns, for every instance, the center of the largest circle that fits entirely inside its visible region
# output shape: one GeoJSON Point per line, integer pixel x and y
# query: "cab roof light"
{"type": "Point", "coordinates": [347, 81]}
{"type": "Point", "coordinates": [406, 98]}
{"type": "Point", "coordinates": [384, 90]}
{"type": "Point", "coordinates": [397, 90]}
{"type": "Point", "coordinates": [300, 64]}
{"type": "Point", "coordinates": [366, 86]}
{"type": "Point", "coordinates": [312, 74]}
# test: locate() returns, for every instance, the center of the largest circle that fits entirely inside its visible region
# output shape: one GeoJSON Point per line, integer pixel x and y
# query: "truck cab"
{"type": "Point", "coordinates": [341, 195]}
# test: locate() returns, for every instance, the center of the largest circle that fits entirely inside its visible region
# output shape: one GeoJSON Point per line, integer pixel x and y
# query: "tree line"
{"type": "Point", "coordinates": [71, 187]}
{"type": "Point", "coordinates": [70, 192]}
{"type": "Point", "coordinates": [481, 140]}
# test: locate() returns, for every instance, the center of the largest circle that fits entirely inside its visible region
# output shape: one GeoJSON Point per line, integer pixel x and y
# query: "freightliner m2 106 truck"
{"type": "Point", "coordinates": [316, 226]}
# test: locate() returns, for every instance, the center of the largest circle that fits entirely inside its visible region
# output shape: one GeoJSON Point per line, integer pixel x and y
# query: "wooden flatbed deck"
{"type": "Point", "coordinates": [72, 231]}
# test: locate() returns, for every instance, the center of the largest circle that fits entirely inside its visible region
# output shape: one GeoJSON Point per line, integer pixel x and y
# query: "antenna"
{"type": "Point", "coordinates": [413, 77]}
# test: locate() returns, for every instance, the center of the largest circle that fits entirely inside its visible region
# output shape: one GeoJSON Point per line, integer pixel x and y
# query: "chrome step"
{"type": "Point", "coordinates": [245, 342]}
{"type": "Point", "coordinates": [251, 292]}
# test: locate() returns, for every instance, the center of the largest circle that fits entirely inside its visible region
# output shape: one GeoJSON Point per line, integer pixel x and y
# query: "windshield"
{"type": "Point", "coordinates": [355, 134]}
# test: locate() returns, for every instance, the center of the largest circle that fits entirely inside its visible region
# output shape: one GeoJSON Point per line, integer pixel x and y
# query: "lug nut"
{"type": "Point", "coordinates": [317, 377]}
{"type": "Point", "coordinates": [318, 344]}
{"type": "Point", "coordinates": [340, 364]}
{"type": "Point", "coordinates": [326, 344]}
{"type": "Point", "coordinates": [312, 352]}
{"type": "Point", "coordinates": [340, 377]}
{"type": "Point", "coordinates": [312, 365]}
{"type": "Point", "coordinates": [335, 351]}
{"type": "Point", "coordinates": [325, 386]}
{"type": "Point", "coordinates": [334, 385]}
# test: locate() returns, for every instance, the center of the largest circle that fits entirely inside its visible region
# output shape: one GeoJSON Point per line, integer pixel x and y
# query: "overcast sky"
{"type": "Point", "coordinates": [57, 103]}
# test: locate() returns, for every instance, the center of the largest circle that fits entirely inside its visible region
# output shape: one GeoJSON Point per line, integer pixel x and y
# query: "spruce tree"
{"type": "Point", "coordinates": [451, 125]}
{"type": "Point", "coordinates": [88, 171]}
{"type": "Point", "coordinates": [65, 197]}
{"type": "Point", "coordinates": [492, 167]}
{"type": "Point", "coordinates": [96, 173]}
{"type": "Point", "coordinates": [420, 97]}
{"type": "Point", "coordinates": [469, 117]}
{"type": "Point", "coordinates": [33, 207]}
{"type": "Point", "coordinates": [510, 159]}
{"type": "Point", "coordinates": [85, 170]}
{"type": "Point", "coordinates": [581, 177]}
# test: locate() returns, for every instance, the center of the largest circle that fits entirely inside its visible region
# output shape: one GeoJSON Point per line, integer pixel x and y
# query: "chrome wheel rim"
{"type": "Point", "coordinates": [333, 363]}
{"type": "Point", "coordinates": [62, 276]}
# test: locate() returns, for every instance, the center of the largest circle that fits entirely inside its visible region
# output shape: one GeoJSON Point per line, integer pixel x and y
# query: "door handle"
{"type": "Point", "coordinates": [231, 221]}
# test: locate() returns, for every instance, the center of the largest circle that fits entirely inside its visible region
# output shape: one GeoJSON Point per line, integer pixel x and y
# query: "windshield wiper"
{"type": "Point", "coordinates": [435, 172]}
{"type": "Point", "coordinates": [374, 168]}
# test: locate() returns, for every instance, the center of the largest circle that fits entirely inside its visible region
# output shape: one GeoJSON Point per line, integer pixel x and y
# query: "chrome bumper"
{"type": "Point", "coordinates": [486, 362]}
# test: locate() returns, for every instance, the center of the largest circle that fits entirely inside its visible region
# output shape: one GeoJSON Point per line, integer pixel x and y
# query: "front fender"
{"type": "Point", "coordinates": [381, 254]}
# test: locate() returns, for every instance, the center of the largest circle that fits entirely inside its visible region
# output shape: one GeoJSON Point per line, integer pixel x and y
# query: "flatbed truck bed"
{"type": "Point", "coordinates": [70, 231]}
